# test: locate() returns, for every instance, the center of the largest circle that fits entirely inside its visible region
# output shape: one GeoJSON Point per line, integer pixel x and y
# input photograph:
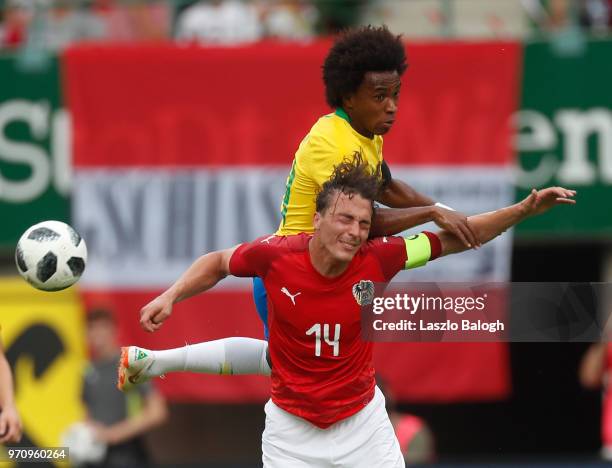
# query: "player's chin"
{"type": "Point", "coordinates": [383, 128]}
{"type": "Point", "coordinates": [345, 253]}
{"type": "Point", "coordinates": [344, 257]}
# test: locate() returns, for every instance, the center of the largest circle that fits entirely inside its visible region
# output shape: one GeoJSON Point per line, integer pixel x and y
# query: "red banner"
{"type": "Point", "coordinates": [192, 106]}
{"type": "Point", "coordinates": [162, 107]}
{"type": "Point", "coordinates": [418, 372]}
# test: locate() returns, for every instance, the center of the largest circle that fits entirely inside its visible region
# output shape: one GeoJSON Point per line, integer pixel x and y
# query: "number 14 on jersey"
{"type": "Point", "coordinates": [316, 330]}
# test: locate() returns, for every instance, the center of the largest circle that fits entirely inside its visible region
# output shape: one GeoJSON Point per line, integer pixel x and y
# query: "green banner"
{"type": "Point", "coordinates": [34, 148]}
{"type": "Point", "coordinates": [565, 136]}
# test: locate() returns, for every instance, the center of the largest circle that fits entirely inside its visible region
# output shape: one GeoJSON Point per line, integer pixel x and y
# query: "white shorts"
{"type": "Point", "coordinates": [364, 440]}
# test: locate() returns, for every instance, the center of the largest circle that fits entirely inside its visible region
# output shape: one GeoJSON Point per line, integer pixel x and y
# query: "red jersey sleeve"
{"type": "Point", "coordinates": [391, 254]}
{"type": "Point", "coordinates": [254, 258]}
{"type": "Point", "coordinates": [402, 253]}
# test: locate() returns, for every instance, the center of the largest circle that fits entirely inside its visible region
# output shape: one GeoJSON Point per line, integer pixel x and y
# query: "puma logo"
{"type": "Point", "coordinates": [267, 239]}
{"type": "Point", "coordinates": [291, 296]}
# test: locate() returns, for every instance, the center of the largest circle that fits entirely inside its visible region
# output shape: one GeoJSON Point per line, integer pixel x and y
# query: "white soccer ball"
{"type": "Point", "coordinates": [51, 256]}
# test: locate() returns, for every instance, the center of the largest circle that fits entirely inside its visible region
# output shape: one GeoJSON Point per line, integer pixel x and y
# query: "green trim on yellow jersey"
{"type": "Point", "coordinates": [340, 112]}
{"type": "Point", "coordinates": [287, 193]}
{"type": "Point", "coordinates": [418, 251]}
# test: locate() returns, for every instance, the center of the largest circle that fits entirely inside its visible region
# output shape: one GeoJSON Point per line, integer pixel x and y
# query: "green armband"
{"type": "Point", "coordinates": [418, 251]}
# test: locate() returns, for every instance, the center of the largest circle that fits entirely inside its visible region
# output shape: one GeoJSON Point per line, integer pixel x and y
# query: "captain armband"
{"type": "Point", "coordinates": [421, 248]}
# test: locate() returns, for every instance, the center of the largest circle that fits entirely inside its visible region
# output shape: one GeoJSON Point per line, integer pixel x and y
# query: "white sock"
{"type": "Point", "coordinates": [226, 356]}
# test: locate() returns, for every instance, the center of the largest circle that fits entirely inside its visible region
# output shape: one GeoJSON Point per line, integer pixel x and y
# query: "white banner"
{"type": "Point", "coordinates": [471, 190]}
{"type": "Point", "coordinates": [144, 227]}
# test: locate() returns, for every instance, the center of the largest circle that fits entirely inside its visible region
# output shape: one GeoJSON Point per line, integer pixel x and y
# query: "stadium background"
{"type": "Point", "coordinates": [157, 151]}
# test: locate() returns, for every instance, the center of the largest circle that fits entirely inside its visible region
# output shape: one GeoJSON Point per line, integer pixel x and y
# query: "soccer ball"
{"type": "Point", "coordinates": [51, 256]}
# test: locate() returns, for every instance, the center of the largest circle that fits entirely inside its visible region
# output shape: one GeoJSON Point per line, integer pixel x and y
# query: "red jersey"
{"type": "Point", "coordinates": [322, 370]}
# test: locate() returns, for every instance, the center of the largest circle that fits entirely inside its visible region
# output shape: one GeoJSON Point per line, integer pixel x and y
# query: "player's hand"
{"type": "Point", "coordinates": [102, 433]}
{"type": "Point", "coordinates": [153, 315]}
{"type": "Point", "coordinates": [10, 425]}
{"type": "Point", "coordinates": [457, 224]}
{"type": "Point", "coordinates": [540, 201]}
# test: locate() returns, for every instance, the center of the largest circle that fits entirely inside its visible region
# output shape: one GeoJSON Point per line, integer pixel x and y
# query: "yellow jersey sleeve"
{"type": "Point", "coordinates": [329, 142]}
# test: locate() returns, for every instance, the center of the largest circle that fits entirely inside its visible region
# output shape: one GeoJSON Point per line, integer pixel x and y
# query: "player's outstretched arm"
{"type": "Point", "coordinates": [390, 221]}
{"type": "Point", "coordinates": [409, 208]}
{"type": "Point", "coordinates": [202, 275]}
{"type": "Point", "coordinates": [10, 423]}
{"type": "Point", "coordinates": [492, 224]}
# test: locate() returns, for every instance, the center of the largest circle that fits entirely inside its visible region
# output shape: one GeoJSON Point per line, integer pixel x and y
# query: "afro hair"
{"type": "Point", "coordinates": [357, 52]}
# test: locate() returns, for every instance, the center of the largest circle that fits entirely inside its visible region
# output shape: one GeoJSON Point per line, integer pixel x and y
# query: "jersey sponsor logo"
{"type": "Point", "coordinates": [385, 240]}
{"type": "Point", "coordinates": [363, 292]}
{"type": "Point", "coordinates": [286, 292]}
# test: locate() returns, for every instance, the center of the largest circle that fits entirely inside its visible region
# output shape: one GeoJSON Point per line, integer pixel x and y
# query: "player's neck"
{"type": "Point", "coordinates": [363, 131]}
{"type": "Point", "coordinates": [340, 112]}
{"type": "Point", "coordinates": [323, 262]}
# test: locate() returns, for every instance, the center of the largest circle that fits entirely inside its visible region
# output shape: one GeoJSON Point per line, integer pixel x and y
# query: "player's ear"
{"type": "Point", "coordinates": [347, 102]}
{"type": "Point", "coordinates": [317, 220]}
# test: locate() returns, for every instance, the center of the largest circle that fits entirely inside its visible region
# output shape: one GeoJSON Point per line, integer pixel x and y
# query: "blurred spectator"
{"type": "Point", "coordinates": [595, 15]}
{"type": "Point", "coordinates": [14, 21]}
{"type": "Point", "coordinates": [119, 419]}
{"type": "Point", "coordinates": [424, 18]}
{"type": "Point", "coordinates": [458, 18]}
{"type": "Point", "coordinates": [59, 23]}
{"type": "Point", "coordinates": [289, 19]}
{"type": "Point", "coordinates": [67, 22]}
{"type": "Point", "coordinates": [549, 14]}
{"type": "Point", "coordinates": [335, 15]}
{"type": "Point", "coordinates": [535, 11]}
{"type": "Point", "coordinates": [487, 18]}
{"type": "Point", "coordinates": [594, 374]}
{"type": "Point", "coordinates": [557, 15]}
{"type": "Point", "coordinates": [414, 436]}
{"type": "Point", "coordinates": [134, 20]}
{"type": "Point", "coordinates": [225, 22]}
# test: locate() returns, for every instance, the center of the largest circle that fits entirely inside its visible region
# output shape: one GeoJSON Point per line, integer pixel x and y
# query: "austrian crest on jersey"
{"type": "Point", "coordinates": [363, 292]}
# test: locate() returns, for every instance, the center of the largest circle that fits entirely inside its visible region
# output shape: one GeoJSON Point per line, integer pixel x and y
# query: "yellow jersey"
{"type": "Point", "coordinates": [329, 141]}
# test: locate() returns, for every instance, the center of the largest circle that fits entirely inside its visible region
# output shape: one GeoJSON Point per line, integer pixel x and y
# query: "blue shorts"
{"type": "Point", "coordinates": [261, 302]}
